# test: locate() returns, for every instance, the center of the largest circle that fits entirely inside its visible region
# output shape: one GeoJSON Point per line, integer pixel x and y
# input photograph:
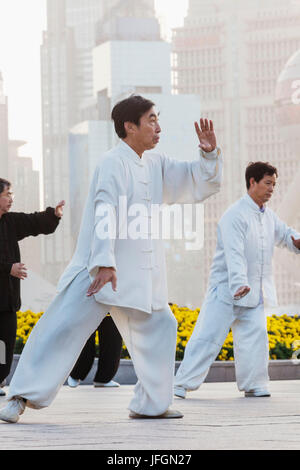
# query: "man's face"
{"type": "Point", "coordinates": [146, 134]}
{"type": "Point", "coordinates": [263, 190]}
{"type": "Point", "coordinates": [6, 200]}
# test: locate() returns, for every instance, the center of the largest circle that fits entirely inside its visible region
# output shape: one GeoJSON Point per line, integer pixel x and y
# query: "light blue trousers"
{"type": "Point", "coordinates": [251, 347]}
{"type": "Point", "coordinates": [59, 336]}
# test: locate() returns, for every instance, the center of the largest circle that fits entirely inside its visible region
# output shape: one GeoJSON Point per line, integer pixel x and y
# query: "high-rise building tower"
{"type": "Point", "coordinates": [67, 98]}
{"type": "Point", "coordinates": [231, 54]}
{"type": "Point", "coordinates": [66, 67]}
{"type": "Point", "coordinates": [135, 8]}
{"type": "Point", "coordinates": [3, 131]}
{"type": "Point", "coordinates": [26, 188]}
{"type": "Point", "coordinates": [25, 185]}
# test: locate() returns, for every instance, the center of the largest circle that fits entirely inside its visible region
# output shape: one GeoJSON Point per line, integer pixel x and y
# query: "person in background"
{"type": "Point", "coordinates": [240, 281]}
{"type": "Point", "coordinates": [15, 226]}
{"type": "Point", "coordinates": [110, 348]}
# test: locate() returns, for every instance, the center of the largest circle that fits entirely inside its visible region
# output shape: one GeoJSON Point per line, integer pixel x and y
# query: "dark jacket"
{"type": "Point", "coordinates": [14, 226]}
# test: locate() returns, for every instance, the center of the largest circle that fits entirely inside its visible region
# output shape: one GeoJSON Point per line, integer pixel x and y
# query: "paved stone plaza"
{"type": "Point", "coordinates": [215, 417]}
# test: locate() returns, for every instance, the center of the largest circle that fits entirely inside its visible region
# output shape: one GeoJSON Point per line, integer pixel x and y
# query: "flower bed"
{"type": "Point", "coordinates": [283, 331]}
{"type": "Point", "coordinates": [25, 323]}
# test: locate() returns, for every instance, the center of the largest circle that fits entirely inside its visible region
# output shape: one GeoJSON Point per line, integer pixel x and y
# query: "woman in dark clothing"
{"type": "Point", "coordinates": [110, 348]}
{"type": "Point", "coordinates": [14, 227]}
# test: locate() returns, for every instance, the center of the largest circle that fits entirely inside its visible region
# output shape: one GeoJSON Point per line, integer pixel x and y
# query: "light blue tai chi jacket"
{"type": "Point", "coordinates": [246, 237]}
{"type": "Point", "coordinates": [151, 180]}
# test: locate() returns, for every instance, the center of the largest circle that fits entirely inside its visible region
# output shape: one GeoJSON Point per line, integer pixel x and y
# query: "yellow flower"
{"type": "Point", "coordinates": [284, 333]}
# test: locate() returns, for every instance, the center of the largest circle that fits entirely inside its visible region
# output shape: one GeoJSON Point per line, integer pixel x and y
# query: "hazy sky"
{"type": "Point", "coordinates": [21, 26]}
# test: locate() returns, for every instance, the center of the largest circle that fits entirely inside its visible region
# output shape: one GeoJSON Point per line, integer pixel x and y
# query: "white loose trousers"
{"type": "Point", "coordinates": [251, 349]}
{"type": "Point", "coordinates": [58, 338]}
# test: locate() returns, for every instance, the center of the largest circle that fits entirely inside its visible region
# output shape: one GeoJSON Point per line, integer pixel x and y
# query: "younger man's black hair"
{"type": "Point", "coordinates": [258, 170]}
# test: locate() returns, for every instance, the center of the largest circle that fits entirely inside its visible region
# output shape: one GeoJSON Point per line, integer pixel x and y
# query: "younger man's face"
{"type": "Point", "coordinates": [263, 190]}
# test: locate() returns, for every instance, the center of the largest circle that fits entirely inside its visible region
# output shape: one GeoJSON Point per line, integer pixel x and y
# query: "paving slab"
{"type": "Point", "coordinates": [216, 417]}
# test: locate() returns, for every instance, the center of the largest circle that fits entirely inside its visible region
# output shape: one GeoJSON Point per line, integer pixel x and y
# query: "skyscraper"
{"type": "Point", "coordinates": [3, 131]}
{"type": "Point", "coordinates": [128, 8]}
{"type": "Point", "coordinates": [67, 98]}
{"type": "Point", "coordinates": [26, 188]}
{"type": "Point", "coordinates": [231, 53]}
{"type": "Point", "coordinates": [66, 68]}
{"type": "Point", "coordinates": [25, 181]}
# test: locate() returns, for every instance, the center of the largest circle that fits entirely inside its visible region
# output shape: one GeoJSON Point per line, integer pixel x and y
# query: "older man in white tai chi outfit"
{"type": "Point", "coordinates": [88, 289]}
{"type": "Point", "coordinates": [240, 281]}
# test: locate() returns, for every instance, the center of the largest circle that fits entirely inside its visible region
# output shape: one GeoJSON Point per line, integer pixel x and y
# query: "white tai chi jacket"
{"type": "Point", "coordinates": [246, 237]}
{"type": "Point", "coordinates": [140, 263]}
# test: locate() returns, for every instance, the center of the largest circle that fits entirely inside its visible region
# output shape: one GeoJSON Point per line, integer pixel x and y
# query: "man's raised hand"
{"type": "Point", "coordinates": [104, 276]}
{"type": "Point", "coordinates": [206, 135]}
{"type": "Point", "coordinates": [59, 209]}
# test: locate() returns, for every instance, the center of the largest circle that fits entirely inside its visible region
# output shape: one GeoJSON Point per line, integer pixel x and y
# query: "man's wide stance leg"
{"type": "Point", "coordinates": [55, 344]}
{"type": "Point", "coordinates": [251, 349]}
{"type": "Point", "coordinates": [151, 342]}
{"type": "Point", "coordinates": [208, 337]}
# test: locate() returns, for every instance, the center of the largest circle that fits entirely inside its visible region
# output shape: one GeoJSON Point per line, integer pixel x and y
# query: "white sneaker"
{"type": "Point", "coordinates": [180, 392]}
{"type": "Point", "coordinates": [258, 392]}
{"type": "Point", "coordinates": [73, 383]}
{"type": "Point", "coordinates": [108, 384]}
{"type": "Point", "coordinates": [13, 410]}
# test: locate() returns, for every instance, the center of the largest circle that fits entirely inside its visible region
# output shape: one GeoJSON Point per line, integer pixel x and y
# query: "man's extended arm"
{"type": "Point", "coordinates": [37, 223]}
{"type": "Point", "coordinates": [286, 237]}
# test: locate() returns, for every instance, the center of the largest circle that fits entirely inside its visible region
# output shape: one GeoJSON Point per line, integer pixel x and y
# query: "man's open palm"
{"type": "Point", "coordinates": [104, 276]}
{"type": "Point", "coordinates": [206, 135]}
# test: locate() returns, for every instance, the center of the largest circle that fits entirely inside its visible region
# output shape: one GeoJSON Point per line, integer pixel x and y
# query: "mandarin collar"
{"type": "Point", "coordinates": [248, 199]}
{"type": "Point", "coordinates": [130, 153]}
